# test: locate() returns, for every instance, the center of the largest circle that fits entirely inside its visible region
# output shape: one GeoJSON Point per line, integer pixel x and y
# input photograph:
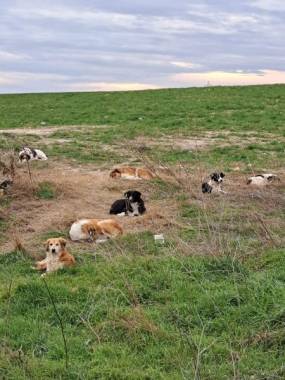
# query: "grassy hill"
{"type": "Point", "coordinates": [210, 302]}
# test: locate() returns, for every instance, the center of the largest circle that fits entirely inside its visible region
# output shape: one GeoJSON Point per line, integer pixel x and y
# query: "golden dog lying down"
{"type": "Point", "coordinates": [128, 172]}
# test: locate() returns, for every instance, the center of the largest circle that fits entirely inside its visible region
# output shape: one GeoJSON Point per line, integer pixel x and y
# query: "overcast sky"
{"type": "Point", "coordinates": [85, 45]}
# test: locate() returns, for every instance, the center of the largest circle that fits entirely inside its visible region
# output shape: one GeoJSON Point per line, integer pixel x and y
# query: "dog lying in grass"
{"type": "Point", "coordinates": [128, 172]}
{"type": "Point", "coordinates": [213, 183]}
{"type": "Point", "coordinates": [131, 205]}
{"type": "Point", "coordinates": [57, 256]}
{"type": "Point", "coordinates": [30, 154]}
{"type": "Point", "coordinates": [91, 229]}
{"type": "Point", "coordinates": [5, 186]}
{"type": "Point", "coordinates": [262, 179]}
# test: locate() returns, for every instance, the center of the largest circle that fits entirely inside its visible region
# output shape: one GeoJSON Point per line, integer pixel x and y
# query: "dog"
{"type": "Point", "coordinates": [131, 205]}
{"type": "Point", "coordinates": [57, 256]}
{"type": "Point", "coordinates": [262, 179]}
{"type": "Point", "coordinates": [213, 183]}
{"type": "Point", "coordinates": [5, 185]}
{"type": "Point", "coordinates": [128, 172]}
{"type": "Point", "coordinates": [91, 229]}
{"type": "Point", "coordinates": [30, 154]}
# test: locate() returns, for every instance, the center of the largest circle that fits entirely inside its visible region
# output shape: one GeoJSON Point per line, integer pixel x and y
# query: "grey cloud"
{"type": "Point", "coordinates": [134, 41]}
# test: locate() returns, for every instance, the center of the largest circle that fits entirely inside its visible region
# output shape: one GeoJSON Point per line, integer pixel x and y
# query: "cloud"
{"type": "Point", "coordinates": [103, 86]}
{"type": "Point", "coordinates": [270, 5]}
{"type": "Point", "coordinates": [83, 44]}
{"type": "Point", "coordinates": [220, 78]}
{"type": "Point", "coordinates": [30, 82]}
{"type": "Point", "coordinates": [64, 13]}
{"type": "Point", "coordinates": [10, 57]}
{"type": "Point", "coordinates": [185, 65]}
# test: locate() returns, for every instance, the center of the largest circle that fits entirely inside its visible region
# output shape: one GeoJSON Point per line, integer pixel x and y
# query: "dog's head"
{"type": "Point", "coordinates": [6, 184]}
{"type": "Point", "coordinates": [115, 173]}
{"type": "Point", "coordinates": [217, 177]}
{"type": "Point", "coordinates": [271, 177]}
{"type": "Point", "coordinates": [55, 245]}
{"type": "Point", "coordinates": [27, 154]}
{"type": "Point", "coordinates": [24, 156]}
{"type": "Point", "coordinates": [92, 230]}
{"type": "Point", "coordinates": [133, 195]}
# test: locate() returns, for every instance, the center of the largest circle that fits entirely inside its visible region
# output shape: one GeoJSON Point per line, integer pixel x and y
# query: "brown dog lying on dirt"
{"type": "Point", "coordinates": [57, 256]}
{"type": "Point", "coordinates": [128, 172]}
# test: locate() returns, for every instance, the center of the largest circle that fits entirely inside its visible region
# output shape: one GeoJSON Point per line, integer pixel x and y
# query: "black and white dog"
{"type": "Point", "coordinates": [131, 205]}
{"type": "Point", "coordinates": [6, 184]}
{"type": "Point", "coordinates": [30, 154]}
{"type": "Point", "coordinates": [213, 183]}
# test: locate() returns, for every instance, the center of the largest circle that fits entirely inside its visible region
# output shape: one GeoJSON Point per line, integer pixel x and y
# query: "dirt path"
{"type": "Point", "coordinates": [46, 131]}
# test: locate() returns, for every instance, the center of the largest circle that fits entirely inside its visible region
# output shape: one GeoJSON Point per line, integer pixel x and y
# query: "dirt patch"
{"type": "Point", "coordinates": [221, 139]}
{"type": "Point", "coordinates": [81, 193]}
{"type": "Point", "coordinates": [47, 131]}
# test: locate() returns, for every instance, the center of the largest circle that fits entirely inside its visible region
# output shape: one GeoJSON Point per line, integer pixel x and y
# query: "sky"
{"type": "Point", "coordinates": [84, 45]}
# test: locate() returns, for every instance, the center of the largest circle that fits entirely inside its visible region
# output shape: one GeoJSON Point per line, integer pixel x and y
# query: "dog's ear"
{"type": "Point", "coordinates": [46, 243]}
{"type": "Point", "coordinates": [62, 242]}
{"type": "Point", "coordinates": [222, 174]}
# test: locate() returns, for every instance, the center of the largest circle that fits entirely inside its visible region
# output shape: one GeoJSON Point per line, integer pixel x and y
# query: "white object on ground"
{"type": "Point", "coordinates": [159, 238]}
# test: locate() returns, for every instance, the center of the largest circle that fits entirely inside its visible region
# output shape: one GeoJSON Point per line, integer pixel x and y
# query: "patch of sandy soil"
{"type": "Point", "coordinates": [46, 131]}
{"type": "Point", "coordinates": [221, 139]}
{"type": "Point", "coordinates": [82, 192]}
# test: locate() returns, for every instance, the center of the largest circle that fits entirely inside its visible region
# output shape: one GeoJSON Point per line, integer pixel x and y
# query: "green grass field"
{"type": "Point", "coordinates": [210, 303]}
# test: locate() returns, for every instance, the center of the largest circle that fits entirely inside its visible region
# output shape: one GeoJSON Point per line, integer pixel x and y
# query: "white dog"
{"type": "Point", "coordinates": [262, 179]}
{"type": "Point", "coordinates": [30, 154]}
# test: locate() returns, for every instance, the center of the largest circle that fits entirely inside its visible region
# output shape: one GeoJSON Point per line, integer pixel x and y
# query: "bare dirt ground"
{"type": "Point", "coordinates": [221, 139]}
{"type": "Point", "coordinates": [46, 131]}
{"type": "Point", "coordinates": [82, 192]}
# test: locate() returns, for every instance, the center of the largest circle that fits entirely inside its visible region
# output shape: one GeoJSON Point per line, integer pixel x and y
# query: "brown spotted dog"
{"type": "Point", "coordinates": [57, 256]}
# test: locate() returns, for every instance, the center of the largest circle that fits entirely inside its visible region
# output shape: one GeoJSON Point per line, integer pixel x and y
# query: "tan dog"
{"type": "Point", "coordinates": [128, 172]}
{"type": "Point", "coordinates": [91, 229]}
{"type": "Point", "coordinates": [56, 256]}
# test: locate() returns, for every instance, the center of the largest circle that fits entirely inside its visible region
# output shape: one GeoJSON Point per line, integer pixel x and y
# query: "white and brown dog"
{"type": "Point", "coordinates": [262, 179]}
{"type": "Point", "coordinates": [91, 229]}
{"type": "Point", "coordinates": [57, 256]}
{"type": "Point", "coordinates": [30, 154]}
{"type": "Point", "coordinates": [128, 172]}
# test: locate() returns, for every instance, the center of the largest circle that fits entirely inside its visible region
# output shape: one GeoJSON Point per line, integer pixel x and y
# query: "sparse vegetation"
{"type": "Point", "coordinates": [207, 304]}
{"type": "Point", "coordinates": [45, 190]}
